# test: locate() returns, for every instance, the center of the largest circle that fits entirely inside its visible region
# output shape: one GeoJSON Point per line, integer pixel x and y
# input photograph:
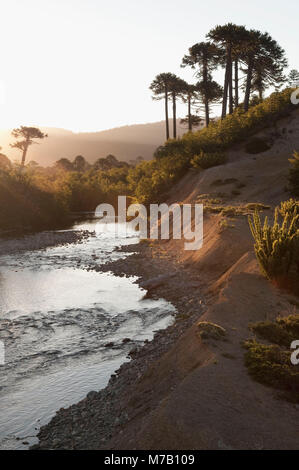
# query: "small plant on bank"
{"type": "Point", "coordinates": [277, 247]}
{"type": "Point", "coordinates": [270, 364]}
{"type": "Point", "coordinates": [256, 206]}
{"type": "Point", "coordinates": [207, 160]}
{"type": "Point", "coordinates": [282, 331]}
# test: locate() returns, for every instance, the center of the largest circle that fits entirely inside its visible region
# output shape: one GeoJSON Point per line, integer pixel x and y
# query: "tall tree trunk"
{"type": "Point", "coordinates": [166, 114]}
{"type": "Point", "coordinates": [261, 94]}
{"type": "Point", "coordinates": [260, 85]}
{"type": "Point", "coordinates": [189, 114]}
{"type": "Point", "coordinates": [207, 111]}
{"type": "Point", "coordinates": [226, 80]}
{"type": "Point", "coordinates": [24, 154]}
{"type": "Point", "coordinates": [230, 87]}
{"type": "Point", "coordinates": [174, 113]}
{"type": "Point", "coordinates": [236, 83]}
{"type": "Point", "coordinates": [206, 99]}
{"type": "Point", "coordinates": [248, 85]}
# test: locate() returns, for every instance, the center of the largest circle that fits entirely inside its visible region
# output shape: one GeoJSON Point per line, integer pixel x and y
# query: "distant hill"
{"type": "Point", "coordinates": [126, 143]}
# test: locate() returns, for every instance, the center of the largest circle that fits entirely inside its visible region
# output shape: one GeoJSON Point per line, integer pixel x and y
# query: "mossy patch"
{"type": "Point", "coordinates": [281, 332]}
{"type": "Point", "coordinates": [270, 364]}
{"type": "Point", "coordinates": [211, 330]}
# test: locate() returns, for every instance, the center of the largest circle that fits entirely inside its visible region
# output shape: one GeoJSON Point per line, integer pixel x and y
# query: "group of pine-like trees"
{"type": "Point", "coordinates": [235, 48]}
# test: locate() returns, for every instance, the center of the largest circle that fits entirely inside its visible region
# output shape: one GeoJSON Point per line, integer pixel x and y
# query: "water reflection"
{"type": "Point", "coordinates": [56, 319]}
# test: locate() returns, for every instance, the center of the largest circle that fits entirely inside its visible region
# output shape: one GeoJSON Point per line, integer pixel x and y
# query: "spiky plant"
{"type": "Point", "coordinates": [277, 246]}
{"type": "Point", "coordinates": [290, 207]}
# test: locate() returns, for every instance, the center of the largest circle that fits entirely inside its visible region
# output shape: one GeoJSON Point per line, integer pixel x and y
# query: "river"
{"type": "Point", "coordinates": [63, 323]}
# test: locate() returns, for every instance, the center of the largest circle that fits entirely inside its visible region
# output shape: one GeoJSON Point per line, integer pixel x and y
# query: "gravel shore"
{"type": "Point", "coordinates": [91, 423]}
{"type": "Point", "coordinates": [41, 240]}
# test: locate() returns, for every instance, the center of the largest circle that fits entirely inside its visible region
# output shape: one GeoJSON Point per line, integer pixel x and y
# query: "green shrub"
{"type": "Point", "coordinates": [271, 365]}
{"type": "Point", "coordinates": [294, 174]}
{"type": "Point", "coordinates": [25, 206]}
{"type": "Point", "coordinates": [236, 127]}
{"type": "Point", "coordinates": [277, 248]}
{"type": "Point", "coordinates": [204, 148]}
{"type": "Point", "coordinates": [207, 160]}
{"type": "Point", "coordinates": [257, 145]}
{"type": "Point", "coordinates": [282, 331]}
{"type": "Point", "coordinates": [150, 181]}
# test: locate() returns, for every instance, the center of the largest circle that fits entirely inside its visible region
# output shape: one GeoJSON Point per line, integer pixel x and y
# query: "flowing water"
{"type": "Point", "coordinates": [63, 323]}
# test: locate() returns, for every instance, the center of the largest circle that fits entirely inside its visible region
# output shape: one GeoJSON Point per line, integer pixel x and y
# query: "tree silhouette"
{"type": "Point", "coordinates": [188, 95]}
{"type": "Point", "coordinates": [191, 121]}
{"type": "Point", "coordinates": [64, 164]}
{"type": "Point", "coordinates": [266, 74]}
{"type": "Point", "coordinates": [293, 78]}
{"type": "Point", "coordinates": [27, 134]}
{"type": "Point", "coordinates": [177, 86]}
{"type": "Point", "coordinates": [265, 61]}
{"type": "Point", "coordinates": [229, 37]}
{"type": "Point", "coordinates": [206, 56]}
{"type": "Point", "coordinates": [79, 163]}
{"type": "Point", "coordinates": [160, 87]}
{"type": "Point", "coordinates": [209, 92]}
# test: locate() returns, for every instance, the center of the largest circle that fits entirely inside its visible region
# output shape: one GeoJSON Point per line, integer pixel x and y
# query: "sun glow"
{"type": "Point", "coordinates": [87, 65]}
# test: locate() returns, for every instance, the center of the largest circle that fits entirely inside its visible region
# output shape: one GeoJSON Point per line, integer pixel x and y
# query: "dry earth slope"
{"type": "Point", "coordinates": [214, 404]}
{"type": "Point", "coordinates": [194, 392]}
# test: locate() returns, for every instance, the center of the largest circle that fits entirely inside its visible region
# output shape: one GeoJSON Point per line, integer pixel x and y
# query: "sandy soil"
{"type": "Point", "coordinates": [181, 391]}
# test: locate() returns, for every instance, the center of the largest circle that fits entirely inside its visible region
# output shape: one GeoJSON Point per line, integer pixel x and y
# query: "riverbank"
{"type": "Point", "coordinates": [90, 423]}
{"type": "Point", "coordinates": [184, 390]}
{"type": "Point", "coordinates": [66, 326]}
{"type": "Point", "coordinates": [41, 241]}
{"type": "Point", "coordinates": [188, 388]}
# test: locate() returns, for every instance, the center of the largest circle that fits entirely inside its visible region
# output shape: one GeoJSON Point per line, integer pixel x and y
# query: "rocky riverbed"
{"type": "Point", "coordinates": [41, 240]}
{"type": "Point", "coordinates": [91, 423]}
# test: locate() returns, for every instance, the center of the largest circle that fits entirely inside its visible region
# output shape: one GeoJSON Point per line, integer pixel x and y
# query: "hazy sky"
{"type": "Point", "coordinates": [87, 64]}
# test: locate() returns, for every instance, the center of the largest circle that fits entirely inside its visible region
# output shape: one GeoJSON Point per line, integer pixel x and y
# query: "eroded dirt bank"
{"type": "Point", "coordinates": [92, 422]}
{"type": "Point", "coordinates": [184, 390]}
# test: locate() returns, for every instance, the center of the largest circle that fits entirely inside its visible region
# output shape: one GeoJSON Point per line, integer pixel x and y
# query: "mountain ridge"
{"type": "Point", "coordinates": [125, 142]}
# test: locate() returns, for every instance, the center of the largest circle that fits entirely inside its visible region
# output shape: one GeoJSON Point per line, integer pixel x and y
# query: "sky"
{"type": "Point", "coordinates": [86, 65]}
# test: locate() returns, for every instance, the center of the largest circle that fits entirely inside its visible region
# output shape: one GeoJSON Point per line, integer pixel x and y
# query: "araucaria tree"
{"type": "Point", "coordinates": [27, 134]}
{"type": "Point", "coordinates": [209, 93]}
{"type": "Point", "coordinates": [293, 78]}
{"type": "Point", "coordinates": [204, 57]}
{"type": "Point", "coordinates": [235, 48]}
{"type": "Point", "coordinates": [189, 96]}
{"type": "Point", "coordinates": [229, 37]}
{"type": "Point", "coordinates": [265, 61]}
{"type": "Point", "coordinates": [177, 87]}
{"type": "Point", "coordinates": [161, 87]}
